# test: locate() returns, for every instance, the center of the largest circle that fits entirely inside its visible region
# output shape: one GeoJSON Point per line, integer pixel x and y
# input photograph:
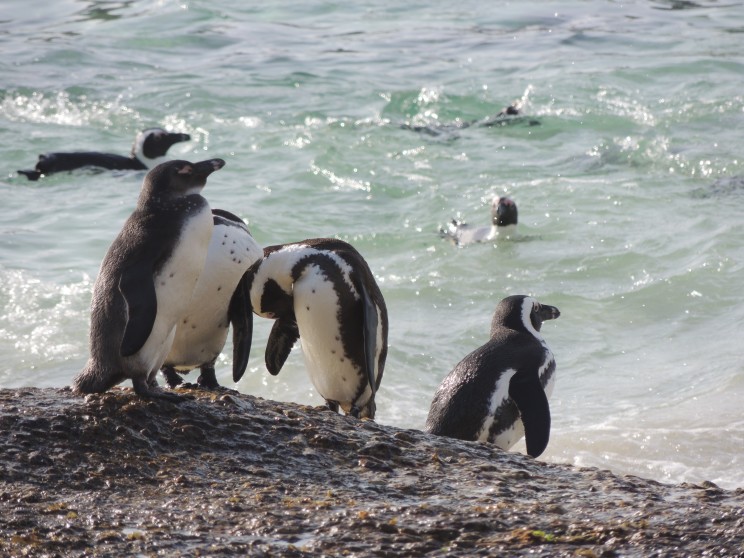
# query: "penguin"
{"type": "Point", "coordinates": [149, 150]}
{"type": "Point", "coordinates": [322, 292]}
{"type": "Point", "coordinates": [503, 223]}
{"type": "Point", "coordinates": [218, 302]}
{"type": "Point", "coordinates": [147, 279]}
{"type": "Point", "coordinates": [499, 392]}
{"type": "Point", "coordinates": [509, 115]}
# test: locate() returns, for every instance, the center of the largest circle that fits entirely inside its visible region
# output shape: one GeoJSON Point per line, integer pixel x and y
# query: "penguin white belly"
{"type": "Point", "coordinates": [174, 286]}
{"type": "Point", "coordinates": [470, 234]}
{"type": "Point", "coordinates": [316, 307]}
{"type": "Point", "coordinates": [201, 333]}
{"type": "Point", "coordinates": [500, 394]}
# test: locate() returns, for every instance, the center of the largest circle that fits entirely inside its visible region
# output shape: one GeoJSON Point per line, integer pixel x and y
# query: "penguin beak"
{"type": "Point", "coordinates": [176, 138]}
{"type": "Point", "coordinates": [172, 138]}
{"type": "Point", "coordinates": [205, 168]}
{"type": "Point", "coordinates": [547, 312]}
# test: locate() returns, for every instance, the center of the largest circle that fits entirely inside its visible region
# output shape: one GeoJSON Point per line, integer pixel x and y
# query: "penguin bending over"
{"type": "Point", "coordinates": [147, 278]}
{"type": "Point", "coordinates": [322, 291]}
{"type": "Point", "coordinates": [218, 301]}
{"type": "Point", "coordinates": [503, 222]}
{"type": "Point", "coordinates": [499, 392]}
{"type": "Point", "coordinates": [149, 149]}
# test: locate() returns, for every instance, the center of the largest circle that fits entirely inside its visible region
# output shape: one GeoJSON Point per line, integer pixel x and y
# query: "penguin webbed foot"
{"type": "Point", "coordinates": [172, 378]}
{"type": "Point", "coordinates": [207, 379]}
{"type": "Point", "coordinates": [332, 406]}
{"type": "Point", "coordinates": [148, 391]}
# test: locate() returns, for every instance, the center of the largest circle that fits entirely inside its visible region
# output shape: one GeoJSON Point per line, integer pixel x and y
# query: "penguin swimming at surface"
{"type": "Point", "coordinates": [322, 292]}
{"type": "Point", "coordinates": [217, 302]}
{"type": "Point", "coordinates": [147, 279]}
{"type": "Point", "coordinates": [503, 223]}
{"type": "Point", "coordinates": [499, 392]}
{"type": "Point", "coordinates": [149, 150]}
{"type": "Point", "coordinates": [507, 116]}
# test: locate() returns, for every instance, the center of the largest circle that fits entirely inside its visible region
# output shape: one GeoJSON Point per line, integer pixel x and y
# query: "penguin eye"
{"type": "Point", "coordinates": [186, 169]}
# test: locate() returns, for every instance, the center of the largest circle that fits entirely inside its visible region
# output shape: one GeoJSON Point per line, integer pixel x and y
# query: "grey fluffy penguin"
{"type": "Point", "coordinates": [147, 279]}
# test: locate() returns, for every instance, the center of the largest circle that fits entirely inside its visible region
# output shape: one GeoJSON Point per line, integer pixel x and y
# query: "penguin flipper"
{"type": "Point", "coordinates": [240, 314]}
{"type": "Point", "coordinates": [369, 312]}
{"type": "Point", "coordinates": [284, 334]}
{"type": "Point", "coordinates": [535, 413]}
{"type": "Point", "coordinates": [138, 289]}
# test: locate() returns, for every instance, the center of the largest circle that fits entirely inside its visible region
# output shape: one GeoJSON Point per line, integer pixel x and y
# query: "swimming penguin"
{"type": "Point", "coordinates": [499, 392]}
{"type": "Point", "coordinates": [503, 223]}
{"type": "Point", "coordinates": [218, 302]}
{"type": "Point", "coordinates": [147, 279]}
{"type": "Point", "coordinates": [149, 149]}
{"type": "Point", "coordinates": [322, 291]}
{"type": "Point", "coordinates": [509, 115]}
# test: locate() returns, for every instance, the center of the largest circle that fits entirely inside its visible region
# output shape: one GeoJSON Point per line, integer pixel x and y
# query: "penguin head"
{"type": "Point", "coordinates": [522, 313]}
{"type": "Point", "coordinates": [503, 212]}
{"type": "Point", "coordinates": [176, 179]}
{"type": "Point", "coordinates": [153, 144]}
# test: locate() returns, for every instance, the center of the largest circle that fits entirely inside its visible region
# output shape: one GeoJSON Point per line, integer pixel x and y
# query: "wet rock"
{"type": "Point", "coordinates": [231, 474]}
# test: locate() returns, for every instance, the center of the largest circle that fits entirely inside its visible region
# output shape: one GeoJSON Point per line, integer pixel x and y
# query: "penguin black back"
{"type": "Point", "coordinates": [149, 147]}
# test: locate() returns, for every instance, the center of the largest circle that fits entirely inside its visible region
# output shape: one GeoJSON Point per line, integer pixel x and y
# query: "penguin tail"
{"type": "Point", "coordinates": [30, 174]}
{"type": "Point", "coordinates": [94, 380]}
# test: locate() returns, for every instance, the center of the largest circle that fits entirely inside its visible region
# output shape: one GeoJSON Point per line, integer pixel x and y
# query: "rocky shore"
{"type": "Point", "coordinates": [228, 474]}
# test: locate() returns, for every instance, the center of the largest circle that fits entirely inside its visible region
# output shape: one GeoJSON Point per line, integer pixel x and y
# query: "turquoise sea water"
{"type": "Point", "coordinates": [629, 189]}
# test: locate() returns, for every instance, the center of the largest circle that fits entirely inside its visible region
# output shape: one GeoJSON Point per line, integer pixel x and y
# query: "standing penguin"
{"type": "Point", "coordinates": [503, 222]}
{"type": "Point", "coordinates": [149, 149]}
{"type": "Point", "coordinates": [218, 301]}
{"type": "Point", "coordinates": [322, 291]}
{"type": "Point", "coordinates": [147, 279]}
{"type": "Point", "coordinates": [499, 392]}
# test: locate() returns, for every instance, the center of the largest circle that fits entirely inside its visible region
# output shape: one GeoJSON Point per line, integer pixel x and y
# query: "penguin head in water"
{"type": "Point", "coordinates": [503, 212]}
{"type": "Point", "coordinates": [522, 313]}
{"type": "Point", "coordinates": [153, 144]}
{"type": "Point", "coordinates": [177, 179]}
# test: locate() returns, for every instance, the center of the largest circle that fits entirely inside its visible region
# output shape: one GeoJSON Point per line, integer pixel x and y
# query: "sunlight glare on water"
{"type": "Point", "coordinates": [376, 124]}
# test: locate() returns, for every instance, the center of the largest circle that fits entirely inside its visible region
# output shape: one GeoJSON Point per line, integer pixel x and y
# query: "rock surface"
{"type": "Point", "coordinates": [228, 474]}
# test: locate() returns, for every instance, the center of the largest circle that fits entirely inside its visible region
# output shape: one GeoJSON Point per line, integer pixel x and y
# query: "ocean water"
{"type": "Point", "coordinates": [627, 169]}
